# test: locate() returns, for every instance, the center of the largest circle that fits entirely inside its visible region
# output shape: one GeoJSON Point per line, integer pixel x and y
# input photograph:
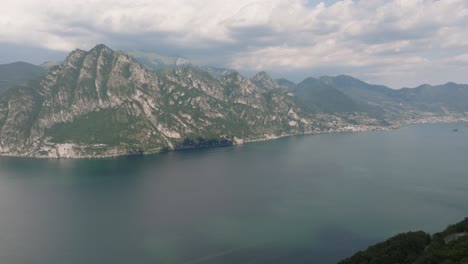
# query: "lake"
{"type": "Point", "coordinates": [301, 199]}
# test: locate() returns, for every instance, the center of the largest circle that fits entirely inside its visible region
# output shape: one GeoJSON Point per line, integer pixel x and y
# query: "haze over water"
{"type": "Point", "coordinates": [303, 199]}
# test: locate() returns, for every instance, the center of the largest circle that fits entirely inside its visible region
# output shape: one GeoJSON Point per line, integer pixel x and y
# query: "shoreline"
{"type": "Point", "coordinates": [234, 142]}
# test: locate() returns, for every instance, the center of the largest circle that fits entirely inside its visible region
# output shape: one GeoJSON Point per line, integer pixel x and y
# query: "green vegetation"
{"type": "Point", "coordinates": [418, 248]}
{"type": "Point", "coordinates": [111, 127]}
{"type": "Point", "coordinates": [18, 73]}
{"type": "Point", "coordinates": [105, 102]}
{"type": "Point", "coordinates": [426, 98]}
{"type": "Point", "coordinates": [316, 96]}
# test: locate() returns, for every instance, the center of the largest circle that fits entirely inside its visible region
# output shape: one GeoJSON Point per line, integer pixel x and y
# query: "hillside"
{"type": "Point", "coordinates": [103, 102]}
{"type": "Point", "coordinates": [448, 246]}
{"type": "Point", "coordinates": [317, 96]}
{"type": "Point", "coordinates": [405, 103]}
{"type": "Point", "coordinates": [18, 73]}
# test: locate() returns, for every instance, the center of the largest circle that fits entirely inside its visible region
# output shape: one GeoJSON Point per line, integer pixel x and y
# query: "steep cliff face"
{"type": "Point", "coordinates": [104, 103]}
{"type": "Point", "coordinates": [93, 98]}
{"type": "Point", "coordinates": [263, 81]}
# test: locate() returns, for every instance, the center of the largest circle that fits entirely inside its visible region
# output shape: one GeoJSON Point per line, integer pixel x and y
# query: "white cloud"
{"type": "Point", "coordinates": [462, 58]}
{"type": "Point", "coordinates": [368, 37]}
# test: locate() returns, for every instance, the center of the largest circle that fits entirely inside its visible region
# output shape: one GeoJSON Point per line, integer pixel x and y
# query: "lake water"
{"type": "Point", "coordinates": [303, 199]}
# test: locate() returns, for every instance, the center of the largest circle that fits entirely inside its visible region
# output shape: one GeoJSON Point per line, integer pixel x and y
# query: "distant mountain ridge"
{"type": "Point", "coordinates": [155, 61]}
{"type": "Point", "coordinates": [318, 96]}
{"type": "Point", "coordinates": [263, 81]}
{"type": "Point", "coordinates": [16, 73]}
{"type": "Point", "coordinates": [440, 99]}
{"type": "Point", "coordinates": [355, 95]}
{"type": "Point", "coordinates": [101, 103]}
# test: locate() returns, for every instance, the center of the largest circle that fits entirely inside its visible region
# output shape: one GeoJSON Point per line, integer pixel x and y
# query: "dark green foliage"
{"type": "Point", "coordinates": [451, 97]}
{"type": "Point", "coordinates": [199, 142]}
{"type": "Point", "coordinates": [18, 73]}
{"type": "Point", "coordinates": [314, 95]}
{"type": "Point", "coordinates": [438, 99]}
{"type": "Point", "coordinates": [378, 95]}
{"type": "Point", "coordinates": [403, 248]}
{"type": "Point", "coordinates": [108, 126]}
{"type": "Point", "coordinates": [455, 251]}
{"type": "Point", "coordinates": [418, 248]}
{"type": "Point", "coordinates": [126, 71]}
{"type": "Point", "coordinates": [105, 102]}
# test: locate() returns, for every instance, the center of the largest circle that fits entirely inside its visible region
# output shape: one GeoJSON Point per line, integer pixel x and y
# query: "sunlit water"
{"type": "Point", "coordinates": [304, 199]}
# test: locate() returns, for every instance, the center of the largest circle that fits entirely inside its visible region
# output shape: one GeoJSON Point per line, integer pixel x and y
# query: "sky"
{"type": "Point", "coordinates": [399, 43]}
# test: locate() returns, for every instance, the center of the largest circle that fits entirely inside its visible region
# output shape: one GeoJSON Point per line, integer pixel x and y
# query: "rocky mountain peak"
{"type": "Point", "coordinates": [261, 75]}
{"type": "Point", "coordinates": [103, 102]}
{"type": "Point", "coordinates": [100, 47]}
{"type": "Point", "coordinates": [285, 83]}
{"type": "Point", "coordinates": [263, 81]}
{"type": "Point", "coordinates": [74, 58]}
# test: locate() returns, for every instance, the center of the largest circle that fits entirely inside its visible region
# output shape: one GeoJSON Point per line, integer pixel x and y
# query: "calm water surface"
{"type": "Point", "coordinates": [304, 199]}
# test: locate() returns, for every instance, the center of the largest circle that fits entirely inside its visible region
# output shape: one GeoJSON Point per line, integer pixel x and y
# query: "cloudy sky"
{"type": "Point", "coordinates": [393, 42]}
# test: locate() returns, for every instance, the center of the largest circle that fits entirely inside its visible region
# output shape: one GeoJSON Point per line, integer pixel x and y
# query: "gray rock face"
{"type": "Point", "coordinates": [284, 83]}
{"type": "Point", "coordinates": [263, 81]}
{"type": "Point", "coordinates": [102, 103]}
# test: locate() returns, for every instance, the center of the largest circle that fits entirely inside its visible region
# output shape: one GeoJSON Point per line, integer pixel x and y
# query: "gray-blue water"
{"type": "Point", "coordinates": [304, 199]}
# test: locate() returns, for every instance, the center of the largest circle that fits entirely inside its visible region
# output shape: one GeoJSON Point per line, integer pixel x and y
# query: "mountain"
{"type": "Point", "coordinates": [18, 73]}
{"type": "Point", "coordinates": [450, 97]}
{"type": "Point", "coordinates": [285, 83]}
{"type": "Point", "coordinates": [405, 103]}
{"type": "Point", "coordinates": [49, 64]}
{"type": "Point", "coordinates": [378, 100]}
{"type": "Point", "coordinates": [449, 246]}
{"type": "Point", "coordinates": [154, 61]}
{"type": "Point", "coordinates": [359, 90]}
{"type": "Point", "coordinates": [263, 81]}
{"type": "Point", "coordinates": [314, 95]}
{"type": "Point", "coordinates": [103, 102]}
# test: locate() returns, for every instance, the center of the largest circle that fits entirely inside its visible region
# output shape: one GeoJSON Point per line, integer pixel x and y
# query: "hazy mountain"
{"type": "Point", "coordinates": [154, 61]}
{"type": "Point", "coordinates": [216, 72]}
{"type": "Point", "coordinates": [441, 99]}
{"type": "Point", "coordinates": [103, 103]}
{"type": "Point", "coordinates": [18, 73]}
{"type": "Point", "coordinates": [359, 90]}
{"type": "Point", "coordinates": [263, 81]}
{"type": "Point", "coordinates": [450, 97]}
{"type": "Point", "coordinates": [285, 83]}
{"type": "Point", "coordinates": [316, 96]}
{"type": "Point", "coordinates": [49, 64]}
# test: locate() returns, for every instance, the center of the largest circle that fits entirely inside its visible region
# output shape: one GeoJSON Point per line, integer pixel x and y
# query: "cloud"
{"type": "Point", "coordinates": [459, 59]}
{"type": "Point", "coordinates": [395, 41]}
